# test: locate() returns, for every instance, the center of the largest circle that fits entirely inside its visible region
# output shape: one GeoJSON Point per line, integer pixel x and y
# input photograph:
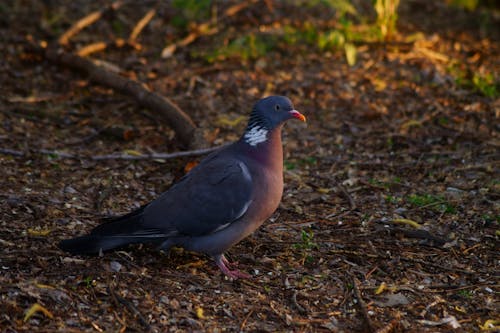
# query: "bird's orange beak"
{"type": "Point", "coordinates": [298, 115]}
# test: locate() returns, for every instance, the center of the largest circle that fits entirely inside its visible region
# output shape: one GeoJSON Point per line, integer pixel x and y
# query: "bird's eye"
{"type": "Point", "coordinates": [277, 107]}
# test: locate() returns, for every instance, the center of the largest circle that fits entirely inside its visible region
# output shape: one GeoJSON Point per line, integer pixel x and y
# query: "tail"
{"type": "Point", "coordinates": [113, 233]}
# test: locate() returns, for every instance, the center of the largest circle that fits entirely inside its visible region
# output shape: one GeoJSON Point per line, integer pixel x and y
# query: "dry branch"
{"type": "Point", "coordinates": [180, 122]}
{"type": "Point", "coordinates": [101, 46]}
{"type": "Point", "coordinates": [362, 305]}
{"type": "Point", "coordinates": [155, 156]}
{"type": "Point", "coordinates": [131, 308]}
{"type": "Point", "coordinates": [12, 152]}
{"type": "Point", "coordinates": [419, 234]}
{"type": "Point", "coordinates": [203, 30]}
{"type": "Point", "coordinates": [86, 21]}
{"type": "Point", "coordinates": [152, 156]}
{"type": "Point", "coordinates": [91, 48]}
{"type": "Point", "coordinates": [141, 24]}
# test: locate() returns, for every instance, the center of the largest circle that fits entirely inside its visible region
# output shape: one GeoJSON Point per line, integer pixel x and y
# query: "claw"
{"type": "Point", "coordinates": [225, 266]}
{"type": "Point", "coordinates": [230, 265]}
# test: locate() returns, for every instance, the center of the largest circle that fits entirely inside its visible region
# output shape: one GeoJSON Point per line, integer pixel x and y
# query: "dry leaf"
{"type": "Point", "coordinates": [37, 308]}
{"type": "Point", "coordinates": [199, 313]}
{"type": "Point", "coordinates": [38, 233]}
{"type": "Point", "coordinates": [391, 300]}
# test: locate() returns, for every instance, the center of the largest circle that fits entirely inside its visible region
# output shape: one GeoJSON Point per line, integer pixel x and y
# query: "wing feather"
{"type": "Point", "coordinates": [211, 197]}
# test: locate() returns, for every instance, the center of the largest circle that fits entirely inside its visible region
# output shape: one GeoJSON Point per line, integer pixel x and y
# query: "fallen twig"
{"type": "Point", "coordinates": [91, 48]}
{"type": "Point", "coordinates": [141, 24]}
{"type": "Point", "coordinates": [409, 222]}
{"type": "Point", "coordinates": [86, 21]}
{"type": "Point", "coordinates": [348, 196]}
{"type": "Point", "coordinates": [299, 307]}
{"type": "Point", "coordinates": [101, 46]}
{"type": "Point", "coordinates": [12, 152]}
{"type": "Point", "coordinates": [419, 234]}
{"type": "Point", "coordinates": [131, 308]}
{"type": "Point", "coordinates": [431, 54]}
{"type": "Point", "coordinates": [402, 258]}
{"type": "Point", "coordinates": [244, 322]}
{"type": "Point", "coordinates": [118, 156]}
{"type": "Point", "coordinates": [157, 156]}
{"type": "Point", "coordinates": [202, 30]}
{"type": "Point", "coordinates": [362, 305]}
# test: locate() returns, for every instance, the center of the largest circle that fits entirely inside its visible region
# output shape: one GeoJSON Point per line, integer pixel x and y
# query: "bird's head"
{"type": "Point", "coordinates": [267, 114]}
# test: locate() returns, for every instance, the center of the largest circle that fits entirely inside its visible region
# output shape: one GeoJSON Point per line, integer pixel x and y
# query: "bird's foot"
{"type": "Point", "coordinates": [225, 266]}
{"type": "Point", "coordinates": [230, 265]}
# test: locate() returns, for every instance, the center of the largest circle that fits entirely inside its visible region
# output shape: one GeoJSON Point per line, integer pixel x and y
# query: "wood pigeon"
{"type": "Point", "coordinates": [222, 200]}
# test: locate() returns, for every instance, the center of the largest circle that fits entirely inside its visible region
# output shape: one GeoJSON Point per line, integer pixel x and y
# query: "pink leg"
{"type": "Point", "coordinates": [225, 266]}
{"type": "Point", "coordinates": [228, 263]}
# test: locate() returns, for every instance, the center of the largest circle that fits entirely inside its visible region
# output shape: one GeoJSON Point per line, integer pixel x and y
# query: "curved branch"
{"type": "Point", "coordinates": [115, 156]}
{"type": "Point", "coordinates": [180, 122]}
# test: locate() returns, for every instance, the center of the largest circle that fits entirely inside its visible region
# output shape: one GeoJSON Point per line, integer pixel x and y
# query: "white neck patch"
{"type": "Point", "coordinates": [255, 135]}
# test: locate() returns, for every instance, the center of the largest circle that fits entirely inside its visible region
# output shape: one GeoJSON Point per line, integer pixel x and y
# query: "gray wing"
{"type": "Point", "coordinates": [212, 196]}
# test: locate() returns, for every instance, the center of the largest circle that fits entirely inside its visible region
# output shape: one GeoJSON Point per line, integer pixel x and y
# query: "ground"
{"type": "Point", "coordinates": [390, 217]}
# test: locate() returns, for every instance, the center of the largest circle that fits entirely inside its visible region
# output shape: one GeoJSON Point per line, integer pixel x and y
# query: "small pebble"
{"type": "Point", "coordinates": [115, 266]}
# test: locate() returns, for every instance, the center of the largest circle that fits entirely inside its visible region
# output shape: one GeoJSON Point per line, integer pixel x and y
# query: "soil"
{"type": "Point", "coordinates": [390, 217]}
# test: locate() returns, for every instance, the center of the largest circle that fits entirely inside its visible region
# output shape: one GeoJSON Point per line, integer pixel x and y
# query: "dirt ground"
{"type": "Point", "coordinates": [390, 217]}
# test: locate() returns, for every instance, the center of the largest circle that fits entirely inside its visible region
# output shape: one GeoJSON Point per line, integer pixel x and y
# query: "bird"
{"type": "Point", "coordinates": [219, 202]}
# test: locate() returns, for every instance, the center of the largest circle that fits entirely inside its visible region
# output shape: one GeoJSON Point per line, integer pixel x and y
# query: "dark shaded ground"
{"type": "Point", "coordinates": [394, 138]}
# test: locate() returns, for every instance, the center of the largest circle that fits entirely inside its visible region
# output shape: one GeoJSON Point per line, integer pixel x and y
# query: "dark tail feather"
{"type": "Point", "coordinates": [128, 224]}
{"type": "Point", "coordinates": [115, 232]}
{"type": "Point", "coordinates": [93, 244]}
